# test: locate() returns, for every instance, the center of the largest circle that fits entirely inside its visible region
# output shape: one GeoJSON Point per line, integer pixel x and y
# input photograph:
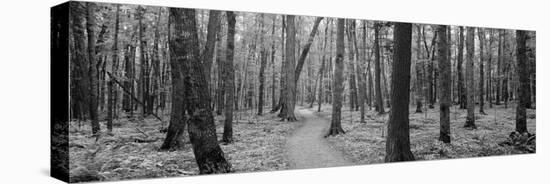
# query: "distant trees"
{"type": "Point", "coordinates": [398, 141]}
{"type": "Point", "coordinates": [337, 83]}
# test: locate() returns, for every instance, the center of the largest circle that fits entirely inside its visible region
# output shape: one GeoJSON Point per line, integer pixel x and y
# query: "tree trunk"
{"type": "Point", "coordinates": [470, 101]}
{"type": "Point", "coordinates": [290, 60]}
{"type": "Point", "coordinates": [92, 69]}
{"type": "Point", "coordinates": [360, 61]}
{"type": "Point", "coordinates": [445, 85]}
{"type": "Point", "coordinates": [263, 63]}
{"type": "Point", "coordinates": [523, 75]}
{"type": "Point", "coordinates": [337, 83]}
{"type": "Point", "coordinates": [499, 67]}
{"type": "Point", "coordinates": [351, 68]}
{"type": "Point", "coordinates": [418, 69]}
{"type": "Point", "coordinates": [379, 102]}
{"type": "Point", "coordinates": [460, 82]}
{"type": "Point", "coordinates": [229, 78]}
{"type": "Point", "coordinates": [398, 141]}
{"type": "Point", "coordinates": [481, 35]}
{"type": "Point", "coordinates": [184, 46]}
{"type": "Point", "coordinates": [208, 53]}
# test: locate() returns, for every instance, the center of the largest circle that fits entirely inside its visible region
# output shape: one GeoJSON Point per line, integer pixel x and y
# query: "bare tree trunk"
{"type": "Point", "coordinates": [481, 35]}
{"type": "Point", "coordinates": [398, 141]}
{"type": "Point", "coordinates": [351, 68]}
{"type": "Point", "coordinates": [499, 67]}
{"type": "Point", "coordinates": [290, 80]}
{"type": "Point", "coordinates": [379, 102]}
{"type": "Point", "coordinates": [460, 87]}
{"type": "Point", "coordinates": [522, 72]}
{"type": "Point", "coordinates": [263, 63]}
{"type": "Point", "coordinates": [112, 100]}
{"type": "Point", "coordinates": [208, 52]}
{"type": "Point", "coordinates": [184, 46]}
{"type": "Point", "coordinates": [418, 69]}
{"type": "Point", "coordinates": [273, 50]}
{"type": "Point", "coordinates": [322, 69]}
{"type": "Point", "coordinates": [229, 78]}
{"type": "Point", "coordinates": [337, 83]}
{"type": "Point", "coordinates": [445, 85]}
{"type": "Point", "coordinates": [470, 101]}
{"type": "Point", "coordinates": [92, 69]}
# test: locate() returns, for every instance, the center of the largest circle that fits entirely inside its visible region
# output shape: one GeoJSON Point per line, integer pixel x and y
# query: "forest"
{"type": "Point", "coordinates": [160, 92]}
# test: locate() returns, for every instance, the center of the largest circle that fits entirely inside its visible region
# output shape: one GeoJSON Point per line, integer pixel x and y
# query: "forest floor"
{"type": "Point", "coordinates": [132, 151]}
{"type": "Point", "coordinates": [364, 143]}
{"type": "Point", "coordinates": [264, 143]}
{"type": "Point", "coordinates": [306, 146]}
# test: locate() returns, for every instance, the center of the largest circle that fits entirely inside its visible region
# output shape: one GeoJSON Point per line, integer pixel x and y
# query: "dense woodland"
{"type": "Point", "coordinates": [159, 91]}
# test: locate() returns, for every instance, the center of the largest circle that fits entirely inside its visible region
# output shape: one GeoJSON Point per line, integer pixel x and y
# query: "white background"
{"type": "Point", "coordinates": [24, 98]}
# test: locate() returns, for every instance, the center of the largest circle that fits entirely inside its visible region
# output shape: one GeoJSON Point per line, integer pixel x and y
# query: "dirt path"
{"type": "Point", "coordinates": [307, 147]}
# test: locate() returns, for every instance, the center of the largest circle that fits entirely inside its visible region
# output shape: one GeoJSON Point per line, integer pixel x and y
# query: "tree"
{"type": "Point", "coordinates": [481, 34]}
{"type": "Point", "coordinates": [377, 88]}
{"type": "Point", "coordinates": [290, 62]}
{"type": "Point", "coordinates": [445, 85]}
{"type": "Point", "coordinates": [522, 72]}
{"type": "Point", "coordinates": [263, 63]}
{"type": "Point", "coordinates": [184, 46]}
{"type": "Point", "coordinates": [111, 103]}
{"type": "Point", "coordinates": [93, 100]}
{"type": "Point", "coordinates": [229, 78]}
{"type": "Point", "coordinates": [460, 81]}
{"type": "Point", "coordinates": [351, 66]}
{"type": "Point", "coordinates": [208, 53]}
{"type": "Point", "coordinates": [338, 80]}
{"type": "Point", "coordinates": [322, 69]}
{"type": "Point", "coordinates": [470, 101]}
{"type": "Point", "coordinates": [419, 65]}
{"type": "Point", "coordinates": [361, 77]}
{"type": "Point", "coordinates": [398, 141]}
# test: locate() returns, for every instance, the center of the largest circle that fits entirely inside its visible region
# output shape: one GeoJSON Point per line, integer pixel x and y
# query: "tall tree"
{"type": "Point", "coordinates": [419, 65]}
{"type": "Point", "coordinates": [361, 77]}
{"type": "Point", "coordinates": [470, 98]}
{"type": "Point", "coordinates": [460, 80]}
{"type": "Point", "coordinates": [263, 63]}
{"type": "Point", "coordinates": [498, 74]}
{"type": "Point", "coordinates": [398, 141]}
{"type": "Point", "coordinates": [338, 80]}
{"type": "Point", "coordinates": [523, 75]}
{"type": "Point", "coordinates": [445, 85]}
{"type": "Point", "coordinates": [93, 100]}
{"type": "Point", "coordinates": [184, 44]}
{"type": "Point", "coordinates": [322, 69]}
{"type": "Point", "coordinates": [111, 104]}
{"type": "Point", "coordinates": [208, 52]}
{"type": "Point", "coordinates": [306, 48]}
{"type": "Point", "coordinates": [229, 78]}
{"type": "Point", "coordinates": [290, 62]}
{"type": "Point", "coordinates": [351, 66]}
{"type": "Point", "coordinates": [377, 73]}
{"type": "Point", "coordinates": [481, 35]}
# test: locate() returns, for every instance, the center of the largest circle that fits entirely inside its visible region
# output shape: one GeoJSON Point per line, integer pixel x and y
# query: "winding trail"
{"type": "Point", "coordinates": [307, 147]}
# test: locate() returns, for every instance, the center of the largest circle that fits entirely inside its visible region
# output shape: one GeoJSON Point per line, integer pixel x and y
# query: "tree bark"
{"type": "Point", "coordinates": [445, 85]}
{"type": "Point", "coordinates": [208, 53]}
{"type": "Point", "coordinates": [290, 80]}
{"type": "Point", "coordinates": [337, 83]}
{"type": "Point", "coordinates": [398, 141]}
{"type": "Point", "coordinates": [184, 46]}
{"type": "Point", "coordinates": [111, 103]}
{"type": "Point", "coordinates": [470, 101]}
{"type": "Point", "coordinates": [229, 78]}
{"type": "Point", "coordinates": [378, 90]}
{"type": "Point", "coordinates": [460, 82]}
{"type": "Point", "coordinates": [419, 65]}
{"type": "Point", "coordinates": [523, 75]}
{"type": "Point", "coordinates": [263, 63]}
{"type": "Point", "coordinates": [322, 69]}
{"type": "Point", "coordinates": [481, 35]}
{"type": "Point", "coordinates": [93, 100]}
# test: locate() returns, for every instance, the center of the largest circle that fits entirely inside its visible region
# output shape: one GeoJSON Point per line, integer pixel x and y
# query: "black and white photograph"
{"type": "Point", "coordinates": [162, 92]}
